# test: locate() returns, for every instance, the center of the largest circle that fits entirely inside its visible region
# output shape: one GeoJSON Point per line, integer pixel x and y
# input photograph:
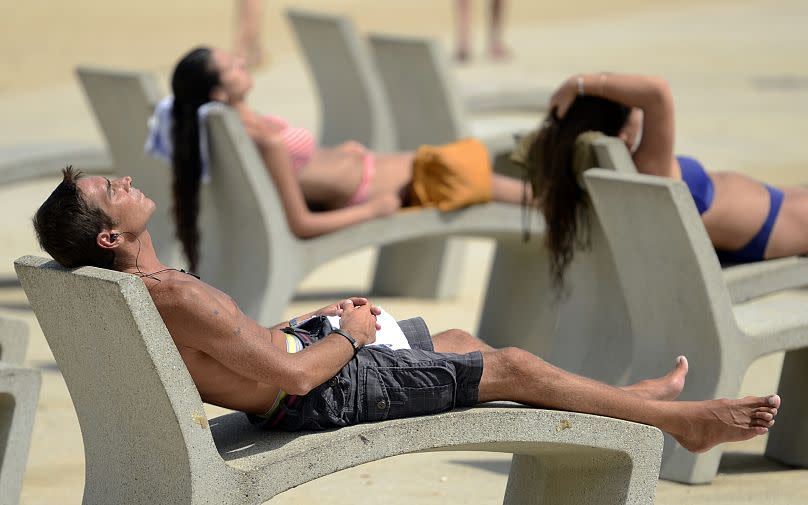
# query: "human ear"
{"type": "Point", "coordinates": [108, 239]}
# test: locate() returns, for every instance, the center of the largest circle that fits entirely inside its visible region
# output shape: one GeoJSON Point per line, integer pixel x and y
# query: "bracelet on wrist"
{"type": "Point", "coordinates": [580, 81]}
{"type": "Point", "coordinates": [350, 339]}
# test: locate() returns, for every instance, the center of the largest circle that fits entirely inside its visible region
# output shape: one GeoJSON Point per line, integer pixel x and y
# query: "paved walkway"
{"type": "Point", "coordinates": [741, 84]}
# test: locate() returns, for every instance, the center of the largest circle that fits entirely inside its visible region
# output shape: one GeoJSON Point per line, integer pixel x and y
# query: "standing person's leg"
{"type": "Point", "coordinates": [516, 375]}
{"type": "Point", "coordinates": [462, 30]}
{"type": "Point", "coordinates": [496, 43]}
{"type": "Point", "coordinates": [248, 31]}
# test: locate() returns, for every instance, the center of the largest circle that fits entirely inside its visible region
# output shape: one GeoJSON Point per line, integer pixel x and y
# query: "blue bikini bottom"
{"type": "Point", "coordinates": [702, 190]}
{"type": "Point", "coordinates": [755, 248]}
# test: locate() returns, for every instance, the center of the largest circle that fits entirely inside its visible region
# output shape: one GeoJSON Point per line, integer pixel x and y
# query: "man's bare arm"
{"type": "Point", "coordinates": [198, 318]}
{"type": "Point", "coordinates": [334, 309]}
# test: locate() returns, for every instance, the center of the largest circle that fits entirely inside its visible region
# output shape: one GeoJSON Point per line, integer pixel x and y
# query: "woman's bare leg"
{"type": "Point", "coordinates": [516, 375]}
{"type": "Point", "coordinates": [509, 190]}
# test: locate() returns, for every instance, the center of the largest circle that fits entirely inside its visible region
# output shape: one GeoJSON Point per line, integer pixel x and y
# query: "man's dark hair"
{"type": "Point", "coordinates": [66, 226]}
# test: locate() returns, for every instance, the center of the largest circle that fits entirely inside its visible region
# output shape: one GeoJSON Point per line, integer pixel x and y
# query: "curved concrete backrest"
{"type": "Point", "coordinates": [611, 153]}
{"type": "Point", "coordinates": [668, 268]}
{"type": "Point", "coordinates": [425, 109]}
{"type": "Point", "coordinates": [353, 103]}
{"type": "Point", "coordinates": [13, 340]}
{"type": "Point", "coordinates": [240, 209]}
{"type": "Point", "coordinates": [136, 403]}
{"type": "Point", "coordinates": [28, 161]}
{"type": "Point", "coordinates": [123, 102]}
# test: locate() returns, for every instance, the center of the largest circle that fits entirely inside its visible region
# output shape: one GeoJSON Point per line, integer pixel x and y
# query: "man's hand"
{"type": "Point", "coordinates": [335, 309]}
{"type": "Point", "coordinates": [359, 319]}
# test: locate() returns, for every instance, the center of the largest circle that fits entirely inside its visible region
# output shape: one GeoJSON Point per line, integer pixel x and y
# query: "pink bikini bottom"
{"type": "Point", "coordinates": [368, 171]}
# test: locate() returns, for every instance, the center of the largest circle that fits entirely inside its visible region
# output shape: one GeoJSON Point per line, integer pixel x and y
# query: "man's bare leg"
{"type": "Point", "coordinates": [516, 375]}
{"type": "Point", "coordinates": [667, 387]}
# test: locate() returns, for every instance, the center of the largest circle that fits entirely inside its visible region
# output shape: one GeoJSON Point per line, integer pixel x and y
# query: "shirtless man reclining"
{"type": "Point", "coordinates": [238, 364]}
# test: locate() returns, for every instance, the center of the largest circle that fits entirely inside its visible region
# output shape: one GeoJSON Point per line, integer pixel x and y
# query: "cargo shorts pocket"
{"type": "Point", "coordinates": [395, 392]}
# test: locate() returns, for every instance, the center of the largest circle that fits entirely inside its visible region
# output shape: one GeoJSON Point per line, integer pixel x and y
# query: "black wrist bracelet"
{"type": "Point", "coordinates": [348, 336]}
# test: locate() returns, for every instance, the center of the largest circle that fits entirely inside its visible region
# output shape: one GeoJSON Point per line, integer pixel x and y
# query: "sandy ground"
{"type": "Point", "coordinates": [737, 69]}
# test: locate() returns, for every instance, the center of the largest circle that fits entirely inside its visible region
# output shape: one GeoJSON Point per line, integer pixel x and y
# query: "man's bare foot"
{"type": "Point", "coordinates": [709, 423]}
{"type": "Point", "coordinates": [667, 387]}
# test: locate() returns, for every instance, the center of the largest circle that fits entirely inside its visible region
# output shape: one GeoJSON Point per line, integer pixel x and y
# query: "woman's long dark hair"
{"type": "Point", "coordinates": [195, 76]}
{"type": "Point", "coordinates": [556, 189]}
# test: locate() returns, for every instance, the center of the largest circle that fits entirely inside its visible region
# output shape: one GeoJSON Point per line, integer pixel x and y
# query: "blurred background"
{"type": "Point", "coordinates": [737, 69]}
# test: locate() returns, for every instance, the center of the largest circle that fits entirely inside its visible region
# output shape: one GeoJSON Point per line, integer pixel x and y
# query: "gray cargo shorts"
{"type": "Point", "coordinates": [380, 384]}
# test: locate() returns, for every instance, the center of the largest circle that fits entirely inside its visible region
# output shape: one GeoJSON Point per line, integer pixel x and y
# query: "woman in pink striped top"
{"type": "Point", "coordinates": [346, 184]}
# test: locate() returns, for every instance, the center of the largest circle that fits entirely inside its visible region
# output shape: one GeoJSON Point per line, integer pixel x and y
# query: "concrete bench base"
{"type": "Point", "coordinates": [19, 392]}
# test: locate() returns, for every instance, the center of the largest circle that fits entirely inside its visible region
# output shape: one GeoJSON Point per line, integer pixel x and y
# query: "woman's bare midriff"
{"type": "Point", "coordinates": [333, 175]}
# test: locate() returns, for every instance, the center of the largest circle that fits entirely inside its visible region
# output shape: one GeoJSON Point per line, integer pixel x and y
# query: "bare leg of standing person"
{"type": "Point", "coordinates": [497, 49]}
{"type": "Point", "coordinates": [462, 30]}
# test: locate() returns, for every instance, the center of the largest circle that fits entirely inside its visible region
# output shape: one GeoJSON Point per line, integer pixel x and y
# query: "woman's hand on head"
{"type": "Point", "coordinates": [564, 96]}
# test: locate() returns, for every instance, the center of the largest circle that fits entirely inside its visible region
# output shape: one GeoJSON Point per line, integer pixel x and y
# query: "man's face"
{"type": "Point", "coordinates": [127, 206]}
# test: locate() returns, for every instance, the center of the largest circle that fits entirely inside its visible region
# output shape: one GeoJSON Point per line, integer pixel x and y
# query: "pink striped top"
{"type": "Point", "coordinates": [299, 141]}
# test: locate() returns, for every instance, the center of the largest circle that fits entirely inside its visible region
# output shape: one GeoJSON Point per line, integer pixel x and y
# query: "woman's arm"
{"type": "Point", "coordinates": [303, 222]}
{"type": "Point", "coordinates": [651, 94]}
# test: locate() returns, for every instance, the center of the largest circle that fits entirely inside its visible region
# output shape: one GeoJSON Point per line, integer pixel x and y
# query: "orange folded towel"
{"type": "Point", "coordinates": [451, 176]}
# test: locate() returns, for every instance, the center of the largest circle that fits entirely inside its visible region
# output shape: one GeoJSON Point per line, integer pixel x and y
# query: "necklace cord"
{"type": "Point", "coordinates": [141, 274]}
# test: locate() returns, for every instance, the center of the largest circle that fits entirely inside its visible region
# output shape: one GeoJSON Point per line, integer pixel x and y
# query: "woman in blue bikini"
{"type": "Point", "coordinates": [746, 220]}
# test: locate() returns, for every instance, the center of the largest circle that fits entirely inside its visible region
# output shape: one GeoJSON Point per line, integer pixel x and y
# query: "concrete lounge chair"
{"type": "Point", "coordinates": [354, 106]}
{"type": "Point", "coordinates": [353, 103]}
{"type": "Point", "coordinates": [30, 161]}
{"type": "Point", "coordinates": [147, 439]}
{"type": "Point", "coordinates": [744, 282]}
{"type": "Point", "coordinates": [123, 102]}
{"type": "Point", "coordinates": [13, 340]}
{"type": "Point", "coordinates": [19, 392]}
{"type": "Point", "coordinates": [427, 109]}
{"type": "Point", "coordinates": [248, 250]}
{"type": "Point", "coordinates": [425, 103]}
{"type": "Point", "coordinates": [678, 303]}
